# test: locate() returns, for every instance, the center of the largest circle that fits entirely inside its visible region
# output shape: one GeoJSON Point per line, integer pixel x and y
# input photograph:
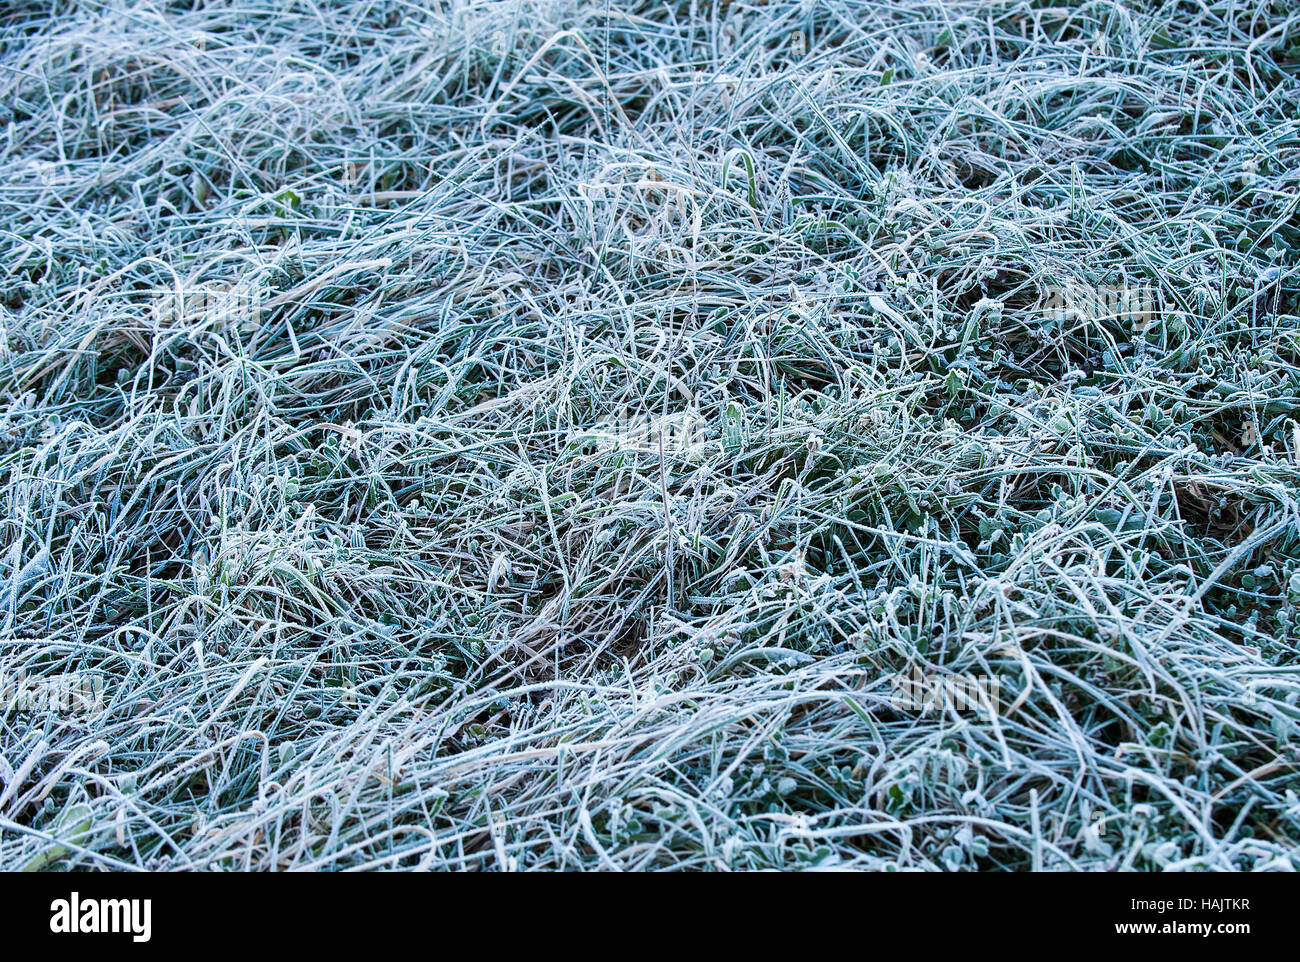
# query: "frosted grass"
{"type": "Point", "coordinates": [315, 324]}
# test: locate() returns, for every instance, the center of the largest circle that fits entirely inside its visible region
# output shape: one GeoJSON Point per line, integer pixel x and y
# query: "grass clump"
{"type": "Point", "coordinates": [536, 434]}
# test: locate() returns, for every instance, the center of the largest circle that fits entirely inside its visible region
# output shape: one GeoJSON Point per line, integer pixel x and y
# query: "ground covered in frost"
{"type": "Point", "coordinates": [538, 434]}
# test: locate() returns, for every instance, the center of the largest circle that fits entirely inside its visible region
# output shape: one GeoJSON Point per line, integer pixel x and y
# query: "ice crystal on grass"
{"type": "Point", "coordinates": [533, 434]}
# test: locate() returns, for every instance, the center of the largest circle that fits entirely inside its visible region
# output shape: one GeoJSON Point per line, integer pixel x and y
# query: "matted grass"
{"type": "Point", "coordinates": [542, 434]}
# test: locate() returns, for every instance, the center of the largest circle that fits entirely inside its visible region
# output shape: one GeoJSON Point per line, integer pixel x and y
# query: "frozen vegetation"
{"type": "Point", "coordinates": [649, 436]}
